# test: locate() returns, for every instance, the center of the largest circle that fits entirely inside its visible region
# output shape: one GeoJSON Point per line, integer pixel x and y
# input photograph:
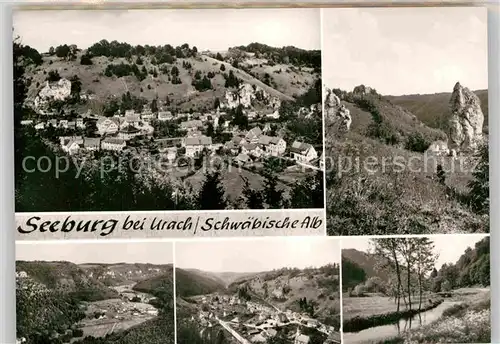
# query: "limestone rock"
{"type": "Point", "coordinates": [466, 121]}
{"type": "Point", "coordinates": [247, 94]}
{"type": "Point", "coordinates": [438, 148]}
{"type": "Point", "coordinates": [59, 90]}
{"type": "Point", "coordinates": [336, 112]}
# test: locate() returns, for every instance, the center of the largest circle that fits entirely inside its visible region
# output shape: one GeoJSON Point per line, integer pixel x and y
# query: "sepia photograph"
{"type": "Point", "coordinates": [168, 109]}
{"type": "Point", "coordinates": [95, 293]}
{"type": "Point", "coordinates": [416, 289]}
{"type": "Point", "coordinates": [275, 291]}
{"type": "Point", "coordinates": [406, 120]}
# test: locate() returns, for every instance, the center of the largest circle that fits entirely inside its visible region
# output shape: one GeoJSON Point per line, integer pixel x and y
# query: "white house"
{"type": "Point", "coordinates": [128, 133]}
{"type": "Point", "coordinates": [243, 158]}
{"type": "Point", "coordinates": [191, 125]}
{"type": "Point", "coordinates": [40, 126]}
{"type": "Point", "coordinates": [91, 143]}
{"type": "Point", "coordinates": [27, 122]}
{"type": "Point", "coordinates": [272, 145]}
{"type": "Point", "coordinates": [79, 123]}
{"type": "Point", "coordinates": [108, 125]}
{"type": "Point", "coordinates": [63, 123]}
{"type": "Point", "coordinates": [274, 115]}
{"type": "Point", "coordinates": [146, 117]}
{"type": "Point", "coordinates": [171, 153]}
{"type": "Point", "coordinates": [131, 120]}
{"type": "Point", "coordinates": [253, 135]}
{"type": "Point", "coordinates": [71, 145]}
{"type": "Point", "coordinates": [165, 116]}
{"type": "Point", "coordinates": [194, 145]}
{"type": "Point", "coordinates": [252, 149]}
{"type": "Point", "coordinates": [113, 144]}
{"type": "Point", "coordinates": [303, 152]}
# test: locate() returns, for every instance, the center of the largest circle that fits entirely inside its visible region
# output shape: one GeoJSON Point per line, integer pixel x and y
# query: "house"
{"type": "Point", "coordinates": [114, 144]}
{"type": "Point", "coordinates": [171, 153]}
{"type": "Point", "coordinates": [165, 116]}
{"type": "Point", "coordinates": [108, 125]}
{"type": "Point", "coordinates": [40, 126]}
{"type": "Point", "coordinates": [271, 332]}
{"type": "Point", "coordinates": [79, 123]}
{"type": "Point", "coordinates": [191, 125]}
{"type": "Point", "coordinates": [26, 122]}
{"type": "Point", "coordinates": [252, 115]}
{"type": "Point", "coordinates": [194, 145]}
{"type": "Point", "coordinates": [282, 318]}
{"type": "Point", "coordinates": [258, 338]}
{"type": "Point", "coordinates": [131, 120]}
{"type": "Point", "coordinates": [253, 135]}
{"type": "Point", "coordinates": [252, 149]}
{"type": "Point", "coordinates": [129, 112]}
{"type": "Point", "coordinates": [128, 133]}
{"type": "Point", "coordinates": [274, 115]}
{"type": "Point", "coordinates": [267, 128]}
{"type": "Point", "coordinates": [71, 145]}
{"type": "Point", "coordinates": [301, 339]}
{"type": "Point", "coordinates": [231, 146]}
{"type": "Point", "coordinates": [303, 152]}
{"type": "Point", "coordinates": [63, 123]}
{"type": "Point", "coordinates": [71, 125]}
{"type": "Point", "coordinates": [53, 122]}
{"type": "Point", "coordinates": [21, 274]}
{"type": "Point", "coordinates": [91, 144]}
{"type": "Point", "coordinates": [272, 145]}
{"type": "Point", "coordinates": [243, 158]}
{"type": "Point", "coordinates": [322, 162]}
{"type": "Point", "coordinates": [146, 117]}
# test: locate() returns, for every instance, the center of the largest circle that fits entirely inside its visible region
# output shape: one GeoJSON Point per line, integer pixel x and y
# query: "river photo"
{"type": "Point", "coordinates": [402, 289]}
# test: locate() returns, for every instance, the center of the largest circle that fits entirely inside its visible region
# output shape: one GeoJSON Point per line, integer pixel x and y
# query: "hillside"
{"type": "Point", "coordinates": [381, 182]}
{"type": "Point", "coordinates": [124, 273]}
{"type": "Point", "coordinates": [66, 278]}
{"type": "Point", "coordinates": [183, 78]}
{"type": "Point", "coordinates": [193, 282]}
{"type": "Point", "coordinates": [286, 287]}
{"type": "Point", "coordinates": [434, 109]}
{"type": "Point", "coordinates": [358, 267]}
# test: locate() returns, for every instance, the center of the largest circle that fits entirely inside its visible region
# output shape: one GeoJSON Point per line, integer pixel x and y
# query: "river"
{"type": "Point", "coordinates": [380, 333]}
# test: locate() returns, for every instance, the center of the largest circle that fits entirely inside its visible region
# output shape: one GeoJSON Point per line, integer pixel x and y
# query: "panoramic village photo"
{"type": "Point", "coordinates": [416, 289]}
{"type": "Point", "coordinates": [275, 291]}
{"type": "Point", "coordinates": [95, 293]}
{"type": "Point", "coordinates": [168, 109]}
{"type": "Point", "coordinates": [406, 120]}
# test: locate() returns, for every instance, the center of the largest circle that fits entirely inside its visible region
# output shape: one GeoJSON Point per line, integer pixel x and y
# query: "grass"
{"type": "Point", "coordinates": [468, 322]}
{"type": "Point", "coordinates": [366, 307]}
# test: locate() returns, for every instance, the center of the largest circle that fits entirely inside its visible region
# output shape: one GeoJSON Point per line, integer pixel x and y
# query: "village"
{"type": "Point", "coordinates": [257, 322]}
{"type": "Point", "coordinates": [133, 130]}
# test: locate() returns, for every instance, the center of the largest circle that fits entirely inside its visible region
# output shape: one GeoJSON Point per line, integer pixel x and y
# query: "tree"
{"type": "Point", "coordinates": [86, 60]}
{"type": "Point", "coordinates": [216, 103]}
{"type": "Point", "coordinates": [211, 195]}
{"type": "Point", "coordinates": [219, 57]}
{"type": "Point", "coordinates": [154, 105]}
{"type": "Point", "coordinates": [174, 71]}
{"type": "Point", "coordinates": [253, 198]}
{"type": "Point", "coordinates": [272, 195]}
{"type": "Point", "coordinates": [479, 186]}
{"type": "Point", "coordinates": [425, 259]}
{"type": "Point", "coordinates": [222, 67]}
{"type": "Point", "coordinates": [240, 119]}
{"type": "Point", "coordinates": [76, 87]}
{"type": "Point", "coordinates": [52, 51]}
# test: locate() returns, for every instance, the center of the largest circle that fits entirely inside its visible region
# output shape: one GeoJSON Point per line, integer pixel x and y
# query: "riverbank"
{"type": "Point", "coordinates": [362, 322]}
{"type": "Point", "coordinates": [466, 322]}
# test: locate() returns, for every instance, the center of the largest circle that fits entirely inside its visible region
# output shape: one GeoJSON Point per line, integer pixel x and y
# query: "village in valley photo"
{"type": "Point", "coordinates": [168, 110]}
{"type": "Point", "coordinates": [274, 291]}
{"type": "Point", "coordinates": [416, 289]}
{"type": "Point", "coordinates": [406, 120]}
{"type": "Point", "coordinates": [95, 293]}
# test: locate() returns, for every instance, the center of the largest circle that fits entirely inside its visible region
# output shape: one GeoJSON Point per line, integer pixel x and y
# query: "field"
{"type": "Point", "coordinates": [375, 305]}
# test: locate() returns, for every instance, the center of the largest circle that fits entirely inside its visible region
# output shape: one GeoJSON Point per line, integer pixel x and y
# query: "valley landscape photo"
{"type": "Point", "coordinates": [168, 109]}
{"type": "Point", "coordinates": [416, 289]}
{"type": "Point", "coordinates": [276, 291]}
{"type": "Point", "coordinates": [406, 120]}
{"type": "Point", "coordinates": [95, 293]}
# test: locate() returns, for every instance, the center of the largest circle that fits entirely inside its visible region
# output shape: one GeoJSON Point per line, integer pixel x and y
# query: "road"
{"type": "Point", "coordinates": [235, 334]}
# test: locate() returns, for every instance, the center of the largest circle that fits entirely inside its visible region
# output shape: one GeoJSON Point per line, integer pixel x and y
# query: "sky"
{"type": "Point", "coordinates": [97, 252]}
{"type": "Point", "coordinates": [212, 29]}
{"type": "Point", "coordinates": [405, 50]}
{"type": "Point", "coordinates": [449, 247]}
{"type": "Point", "coordinates": [257, 255]}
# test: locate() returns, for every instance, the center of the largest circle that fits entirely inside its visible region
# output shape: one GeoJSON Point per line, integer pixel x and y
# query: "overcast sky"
{"type": "Point", "coordinates": [405, 50]}
{"type": "Point", "coordinates": [97, 252]}
{"type": "Point", "coordinates": [257, 255]}
{"type": "Point", "coordinates": [213, 29]}
{"type": "Point", "coordinates": [449, 247]}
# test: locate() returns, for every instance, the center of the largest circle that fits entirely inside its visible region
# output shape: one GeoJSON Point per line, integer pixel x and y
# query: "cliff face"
{"type": "Point", "coordinates": [466, 121]}
{"type": "Point", "coordinates": [336, 112]}
{"type": "Point", "coordinates": [59, 90]}
{"type": "Point", "coordinates": [247, 95]}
